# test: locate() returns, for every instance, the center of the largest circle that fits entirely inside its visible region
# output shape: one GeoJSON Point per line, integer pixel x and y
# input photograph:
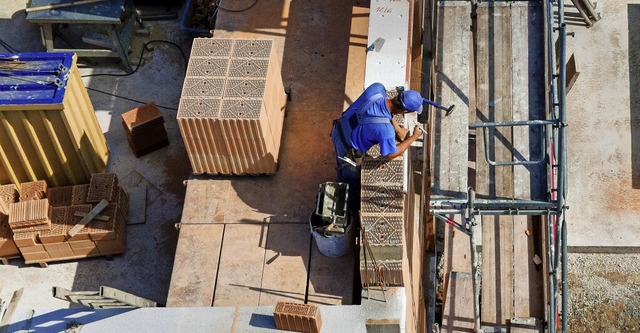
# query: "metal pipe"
{"type": "Point", "coordinates": [514, 123]}
{"type": "Point", "coordinates": [474, 260]}
{"type": "Point", "coordinates": [485, 134]}
{"type": "Point", "coordinates": [562, 39]}
{"type": "Point", "coordinates": [550, 266]}
{"type": "Point", "coordinates": [565, 287]}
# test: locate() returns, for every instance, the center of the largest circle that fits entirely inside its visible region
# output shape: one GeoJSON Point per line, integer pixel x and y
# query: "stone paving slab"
{"type": "Point", "coordinates": [285, 263]}
{"type": "Point", "coordinates": [241, 265]}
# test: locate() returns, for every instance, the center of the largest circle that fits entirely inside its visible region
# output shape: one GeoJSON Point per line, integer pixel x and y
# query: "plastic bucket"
{"type": "Point", "coordinates": [331, 245]}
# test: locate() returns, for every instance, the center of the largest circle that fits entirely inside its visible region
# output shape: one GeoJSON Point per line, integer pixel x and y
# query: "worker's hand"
{"type": "Point", "coordinates": [417, 132]}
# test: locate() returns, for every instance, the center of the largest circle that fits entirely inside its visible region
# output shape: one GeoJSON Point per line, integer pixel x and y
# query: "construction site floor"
{"type": "Point", "coordinates": [322, 49]}
{"type": "Point", "coordinates": [319, 58]}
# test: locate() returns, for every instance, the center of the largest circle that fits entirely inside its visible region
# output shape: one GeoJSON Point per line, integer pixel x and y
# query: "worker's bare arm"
{"type": "Point", "coordinates": [401, 132]}
{"type": "Point", "coordinates": [402, 146]}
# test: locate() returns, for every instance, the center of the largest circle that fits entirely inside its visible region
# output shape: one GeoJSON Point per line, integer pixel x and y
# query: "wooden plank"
{"type": "Point", "coordinates": [573, 71]}
{"type": "Point", "coordinates": [452, 86]}
{"type": "Point", "coordinates": [97, 217]}
{"type": "Point", "coordinates": [88, 218]}
{"type": "Point", "coordinates": [11, 309]}
{"type": "Point", "coordinates": [494, 104]}
{"type": "Point", "coordinates": [241, 265]}
{"type": "Point", "coordinates": [457, 252]}
{"type": "Point", "coordinates": [528, 103]}
{"type": "Point", "coordinates": [457, 310]}
{"type": "Point", "coordinates": [195, 266]}
{"type": "Point", "coordinates": [285, 264]}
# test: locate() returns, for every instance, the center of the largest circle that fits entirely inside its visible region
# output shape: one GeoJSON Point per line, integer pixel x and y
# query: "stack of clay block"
{"type": "Point", "coordinates": [382, 219]}
{"type": "Point", "coordinates": [145, 130]}
{"type": "Point", "coordinates": [232, 106]}
{"type": "Point", "coordinates": [57, 210]}
{"type": "Point", "coordinates": [297, 317]}
{"type": "Point", "coordinates": [8, 248]}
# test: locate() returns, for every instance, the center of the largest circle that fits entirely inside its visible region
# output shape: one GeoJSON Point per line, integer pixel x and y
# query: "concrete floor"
{"type": "Point", "coordinates": [319, 44]}
{"type": "Point", "coordinates": [603, 140]}
{"type": "Point", "coordinates": [264, 255]}
{"type": "Point", "coordinates": [145, 268]}
{"type": "Point", "coordinates": [603, 111]}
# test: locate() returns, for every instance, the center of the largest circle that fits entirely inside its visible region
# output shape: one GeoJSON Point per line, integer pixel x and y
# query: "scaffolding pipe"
{"type": "Point", "coordinates": [474, 262]}
{"type": "Point", "coordinates": [565, 287]}
{"type": "Point", "coordinates": [514, 123]}
{"type": "Point", "coordinates": [562, 156]}
{"type": "Point", "coordinates": [551, 276]}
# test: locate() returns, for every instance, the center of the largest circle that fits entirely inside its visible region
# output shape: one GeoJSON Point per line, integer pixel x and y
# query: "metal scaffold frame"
{"type": "Point", "coordinates": [554, 152]}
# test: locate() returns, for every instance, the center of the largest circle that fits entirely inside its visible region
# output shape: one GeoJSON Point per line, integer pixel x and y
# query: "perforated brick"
{"type": "Point", "coordinates": [380, 199]}
{"type": "Point", "coordinates": [57, 232]}
{"type": "Point", "coordinates": [211, 47]}
{"type": "Point", "coordinates": [213, 115]}
{"type": "Point", "coordinates": [203, 87]}
{"type": "Point", "coordinates": [252, 48]}
{"type": "Point", "coordinates": [8, 194]}
{"type": "Point", "coordinates": [112, 246]}
{"type": "Point", "coordinates": [59, 250]}
{"type": "Point", "coordinates": [104, 230]}
{"type": "Point", "coordinates": [198, 107]}
{"type": "Point", "coordinates": [122, 211]}
{"type": "Point", "coordinates": [244, 88]}
{"type": "Point", "coordinates": [383, 230]}
{"type": "Point", "coordinates": [142, 118]}
{"type": "Point", "coordinates": [207, 67]}
{"type": "Point", "coordinates": [374, 151]}
{"type": "Point", "coordinates": [297, 317]}
{"type": "Point", "coordinates": [35, 257]}
{"type": "Point", "coordinates": [29, 213]}
{"type": "Point", "coordinates": [34, 228]}
{"type": "Point", "coordinates": [79, 194]}
{"type": "Point", "coordinates": [248, 68]}
{"type": "Point", "coordinates": [33, 190]}
{"type": "Point", "coordinates": [240, 108]}
{"type": "Point", "coordinates": [382, 171]}
{"type": "Point", "coordinates": [60, 196]}
{"type": "Point", "coordinates": [103, 186]}
{"type": "Point", "coordinates": [84, 248]}
{"type": "Point", "coordinates": [8, 247]}
{"type": "Point", "coordinates": [385, 273]}
{"type": "Point", "coordinates": [25, 239]}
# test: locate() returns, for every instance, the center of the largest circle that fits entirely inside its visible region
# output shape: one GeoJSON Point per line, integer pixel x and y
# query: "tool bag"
{"type": "Point", "coordinates": [349, 120]}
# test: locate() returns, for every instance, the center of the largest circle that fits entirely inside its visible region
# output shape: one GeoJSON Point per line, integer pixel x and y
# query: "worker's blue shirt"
{"type": "Point", "coordinates": [365, 136]}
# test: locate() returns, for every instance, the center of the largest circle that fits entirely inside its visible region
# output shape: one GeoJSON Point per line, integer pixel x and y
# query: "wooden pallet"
{"type": "Point", "coordinates": [45, 263]}
{"type": "Point", "coordinates": [5, 260]}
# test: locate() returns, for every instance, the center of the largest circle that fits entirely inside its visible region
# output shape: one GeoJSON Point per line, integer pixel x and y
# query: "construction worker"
{"type": "Point", "coordinates": [369, 121]}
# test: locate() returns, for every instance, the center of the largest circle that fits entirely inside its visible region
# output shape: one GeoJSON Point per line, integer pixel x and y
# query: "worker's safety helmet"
{"type": "Point", "coordinates": [412, 101]}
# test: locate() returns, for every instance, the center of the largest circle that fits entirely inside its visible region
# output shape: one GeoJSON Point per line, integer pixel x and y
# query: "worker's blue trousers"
{"type": "Point", "coordinates": [347, 173]}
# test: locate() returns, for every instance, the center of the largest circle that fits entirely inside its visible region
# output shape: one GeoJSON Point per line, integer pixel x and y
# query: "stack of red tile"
{"type": "Point", "coordinates": [8, 195]}
{"type": "Point", "coordinates": [61, 208]}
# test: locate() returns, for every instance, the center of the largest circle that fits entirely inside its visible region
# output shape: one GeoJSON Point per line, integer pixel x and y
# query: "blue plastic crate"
{"type": "Point", "coordinates": [34, 78]}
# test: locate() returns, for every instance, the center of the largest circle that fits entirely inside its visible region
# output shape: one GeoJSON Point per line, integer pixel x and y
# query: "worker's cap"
{"type": "Point", "coordinates": [412, 101]}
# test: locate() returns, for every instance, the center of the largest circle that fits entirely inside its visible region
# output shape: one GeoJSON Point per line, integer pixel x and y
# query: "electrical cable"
{"type": "Point", "coordinates": [130, 99]}
{"type": "Point", "coordinates": [235, 10]}
{"type": "Point", "coordinates": [144, 48]}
